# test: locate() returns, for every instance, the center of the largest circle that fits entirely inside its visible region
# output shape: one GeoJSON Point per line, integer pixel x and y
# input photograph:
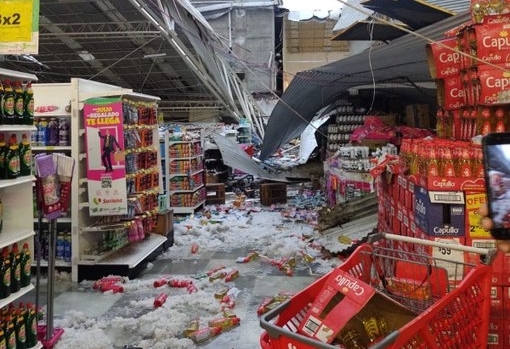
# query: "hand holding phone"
{"type": "Point", "coordinates": [496, 153]}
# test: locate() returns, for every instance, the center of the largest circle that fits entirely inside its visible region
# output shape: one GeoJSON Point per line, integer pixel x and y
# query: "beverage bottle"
{"type": "Point", "coordinates": [204, 334]}
{"type": "Point", "coordinates": [25, 155]}
{"type": "Point", "coordinates": [19, 103]}
{"type": "Point", "coordinates": [160, 300]}
{"type": "Point", "coordinates": [8, 103]}
{"type": "Point", "coordinates": [432, 164]}
{"type": "Point", "coordinates": [12, 159]}
{"type": "Point", "coordinates": [67, 247]}
{"type": "Point", "coordinates": [20, 330]}
{"type": "Point", "coordinates": [372, 327]}
{"type": "Point", "coordinates": [214, 270]}
{"type": "Point", "coordinates": [178, 283]}
{"type": "Point", "coordinates": [10, 333]}
{"type": "Point", "coordinates": [220, 274]}
{"type": "Point", "coordinates": [26, 265]}
{"type": "Point", "coordinates": [465, 163]}
{"type": "Point", "coordinates": [485, 122]}
{"type": "Point", "coordinates": [15, 256]}
{"type": "Point", "coordinates": [232, 275]}
{"type": "Point", "coordinates": [160, 282]}
{"type": "Point", "coordinates": [500, 121]}
{"type": "Point", "coordinates": [28, 115]}
{"type": "Point", "coordinates": [448, 163]}
{"type": "Point", "coordinates": [5, 273]}
{"type": "Point", "coordinates": [221, 293]}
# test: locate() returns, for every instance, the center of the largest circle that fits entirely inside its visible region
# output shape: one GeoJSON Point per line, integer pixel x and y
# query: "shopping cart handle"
{"type": "Point", "coordinates": [489, 254]}
{"type": "Point", "coordinates": [270, 315]}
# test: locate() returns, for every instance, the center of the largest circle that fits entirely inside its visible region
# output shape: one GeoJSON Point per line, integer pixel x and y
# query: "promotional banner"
{"type": "Point", "coordinates": [106, 172]}
{"type": "Point", "coordinates": [19, 27]}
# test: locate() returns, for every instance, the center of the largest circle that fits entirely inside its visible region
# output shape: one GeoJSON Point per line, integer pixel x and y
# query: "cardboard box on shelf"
{"type": "Point", "coordinates": [345, 300]}
{"type": "Point", "coordinates": [165, 223]}
{"type": "Point", "coordinates": [439, 214]}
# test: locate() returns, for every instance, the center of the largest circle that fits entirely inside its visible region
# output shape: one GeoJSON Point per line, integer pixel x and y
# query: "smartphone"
{"type": "Point", "coordinates": [496, 155]}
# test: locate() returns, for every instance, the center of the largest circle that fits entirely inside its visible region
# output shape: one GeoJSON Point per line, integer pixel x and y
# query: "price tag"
{"type": "Point", "coordinates": [16, 20]}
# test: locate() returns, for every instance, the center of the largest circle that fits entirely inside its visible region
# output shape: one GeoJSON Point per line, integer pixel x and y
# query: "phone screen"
{"type": "Point", "coordinates": [496, 150]}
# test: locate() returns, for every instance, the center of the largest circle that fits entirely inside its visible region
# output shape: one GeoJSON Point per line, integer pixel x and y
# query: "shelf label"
{"type": "Point", "coordinates": [19, 26]}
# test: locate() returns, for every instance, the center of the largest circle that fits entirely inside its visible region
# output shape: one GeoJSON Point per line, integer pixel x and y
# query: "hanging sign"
{"type": "Point", "coordinates": [106, 172]}
{"type": "Point", "coordinates": [19, 26]}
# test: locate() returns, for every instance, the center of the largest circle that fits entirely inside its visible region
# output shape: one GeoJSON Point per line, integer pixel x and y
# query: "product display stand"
{"type": "Point", "coordinates": [53, 181]}
{"type": "Point", "coordinates": [118, 202]}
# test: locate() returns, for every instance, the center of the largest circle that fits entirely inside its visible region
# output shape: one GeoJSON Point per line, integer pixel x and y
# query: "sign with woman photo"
{"type": "Point", "coordinates": [106, 173]}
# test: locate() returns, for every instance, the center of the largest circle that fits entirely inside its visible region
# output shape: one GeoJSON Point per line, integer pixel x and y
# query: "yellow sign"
{"type": "Point", "coordinates": [16, 20]}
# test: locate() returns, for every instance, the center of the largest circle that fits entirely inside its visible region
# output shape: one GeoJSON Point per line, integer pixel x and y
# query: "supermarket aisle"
{"type": "Point", "coordinates": [96, 320]}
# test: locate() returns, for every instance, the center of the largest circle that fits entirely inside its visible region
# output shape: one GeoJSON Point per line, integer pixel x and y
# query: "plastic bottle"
{"type": "Point", "coordinates": [19, 103]}
{"type": "Point", "coordinates": [8, 103]}
{"type": "Point", "coordinates": [160, 282]}
{"type": "Point", "coordinates": [204, 334]}
{"type": "Point", "coordinates": [20, 330]}
{"type": "Point", "coordinates": [25, 155]}
{"type": "Point", "coordinates": [34, 135]}
{"type": "Point", "coordinates": [31, 325]}
{"type": "Point", "coordinates": [67, 247]}
{"type": "Point", "coordinates": [26, 265]}
{"type": "Point", "coordinates": [5, 271]}
{"type": "Point", "coordinates": [63, 132]}
{"type": "Point", "coordinates": [15, 256]}
{"type": "Point", "coordinates": [28, 115]}
{"type": "Point", "coordinates": [232, 275]}
{"type": "Point", "coordinates": [12, 159]}
{"type": "Point", "coordinates": [53, 133]}
{"type": "Point", "coordinates": [192, 327]}
{"type": "Point", "coordinates": [3, 343]}
{"type": "Point", "coordinates": [42, 130]}
{"type": "Point", "coordinates": [10, 333]}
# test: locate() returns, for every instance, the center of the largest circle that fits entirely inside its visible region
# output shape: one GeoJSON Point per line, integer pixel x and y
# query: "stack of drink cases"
{"type": "Point", "coordinates": [472, 75]}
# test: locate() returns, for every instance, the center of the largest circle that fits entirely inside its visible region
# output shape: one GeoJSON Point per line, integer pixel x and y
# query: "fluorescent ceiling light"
{"type": "Point", "coordinates": [154, 55]}
{"type": "Point", "coordinates": [86, 56]}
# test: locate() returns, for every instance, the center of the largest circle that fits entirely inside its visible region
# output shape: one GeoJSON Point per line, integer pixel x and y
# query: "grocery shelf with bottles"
{"type": "Point", "coordinates": [16, 197]}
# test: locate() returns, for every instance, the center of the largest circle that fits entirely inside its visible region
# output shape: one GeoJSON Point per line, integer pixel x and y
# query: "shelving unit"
{"type": "Point", "coordinates": [52, 101]}
{"type": "Point", "coordinates": [184, 168]}
{"type": "Point", "coordinates": [102, 245]}
{"type": "Point", "coordinates": [17, 198]}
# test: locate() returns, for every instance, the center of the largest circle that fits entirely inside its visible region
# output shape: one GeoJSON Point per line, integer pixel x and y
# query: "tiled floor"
{"type": "Point", "coordinates": [257, 281]}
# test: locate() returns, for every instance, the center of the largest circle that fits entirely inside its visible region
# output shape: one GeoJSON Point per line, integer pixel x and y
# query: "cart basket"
{"type": "Point", "coordinates": [456, 315]}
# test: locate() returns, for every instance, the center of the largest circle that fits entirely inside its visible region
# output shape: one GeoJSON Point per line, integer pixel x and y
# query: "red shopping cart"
{"type": "Point", "coordinates": [450, 297]}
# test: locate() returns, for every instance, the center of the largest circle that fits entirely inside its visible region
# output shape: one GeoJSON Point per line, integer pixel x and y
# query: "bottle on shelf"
{"type": "Point", "coordinates": [25, 155]}
{"type": "Point", "coordinates": [63, 132]}
{"type": "Point", "coordinates": [12, 159]}
{"type": "Point", "coordinates": [10, 333]}
{"type": "Point", "coordinates": [2, 92]}
{"type": "Point", "coordinates": [19, 104]}
{"type": "Point", "coordinates": [15, 256]}
{"type": "Point", "coordinates": [26, 265]}
{"type": "Point", "coordinates": [8, 103]}
{"type": "Point", "coordinates": [53, 133]}
{"type": "Point", "coordinates": [1, 215]}
{"type": "Point", "coordinates": [31, 325]}
{"type": "Point", "coordinates": [3, 153]}
{"type": "Point", "coordinates": [42, 131]}
{"type": "Point", "coordinates": [5, 274]}
{"type": "Point", "coordinates": [28, 114]}
{"type": "Point", "coordinates": [20, 329]}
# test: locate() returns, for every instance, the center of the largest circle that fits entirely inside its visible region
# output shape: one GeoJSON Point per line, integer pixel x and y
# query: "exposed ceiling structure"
{"type": "Point", "coordinates": [156, 47]}
{"type": "Point", "coordinates": [403, 62]}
